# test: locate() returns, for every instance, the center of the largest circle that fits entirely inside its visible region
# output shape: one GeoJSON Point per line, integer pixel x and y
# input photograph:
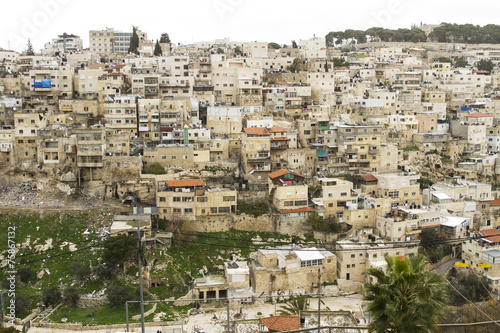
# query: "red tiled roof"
{"type": "Point", "coordinates": [478, 115]}
{"type": "Point", "coordinates": [120, 66]}
{"type": "Point", "coordinates": [256, 130]}
{"type": "Point", "coordinates": [431, 226]}
{"type": "Point", "coordinates": [185, 182]}
{"type": "Point", "coordinates": [277, 129]}
{"type": "Point", "coordinates": [495, 202]}
{"type": "Point", "coordinates": [281, 323]}
{"type": "Point", "coordinates": [296, 210]}
{"type": "Point", "coordinates": [492, 235]}
{"type": "Point", "coordinates": [369, 178]}
{"type": "Point", "coordinates": [281, 172]}
{"type": "Point", "coordinates": [283, 83]}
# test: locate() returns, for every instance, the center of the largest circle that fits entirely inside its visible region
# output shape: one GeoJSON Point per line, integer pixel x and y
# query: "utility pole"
{"type": "Point", "coordinates": [126, 314]}
{"type": "Point", "coordinates": [228, 328]}
{"type": "Point", "coordinates": [319, 300]}
{"type": "Point", "coordinates": [1, 300]}
{"type": "Point", "coordinates": [141, 295]}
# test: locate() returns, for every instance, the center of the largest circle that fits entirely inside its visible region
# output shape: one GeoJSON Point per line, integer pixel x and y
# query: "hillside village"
{"type": "Point", "coordinates": [362, 146]}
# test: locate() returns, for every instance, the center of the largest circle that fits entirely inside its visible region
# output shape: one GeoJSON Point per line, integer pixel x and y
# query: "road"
{"type": "Point", "coordinates": [445, 267]}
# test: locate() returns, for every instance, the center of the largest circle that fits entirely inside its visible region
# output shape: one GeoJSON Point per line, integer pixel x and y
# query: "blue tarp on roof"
{"type": "Point", "coordinates": [321, 153]}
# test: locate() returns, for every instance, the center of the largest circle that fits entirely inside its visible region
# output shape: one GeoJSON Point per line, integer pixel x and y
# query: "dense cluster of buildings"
{"type": "Point", "coordinates": [391, 143]}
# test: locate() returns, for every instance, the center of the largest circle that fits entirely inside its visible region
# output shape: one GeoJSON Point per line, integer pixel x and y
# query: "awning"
{"type": "Point", "coordinates": [321, 153]}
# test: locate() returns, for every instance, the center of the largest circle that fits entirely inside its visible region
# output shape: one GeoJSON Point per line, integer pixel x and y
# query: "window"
{"type": "Point", "coordinates": [213, 210]}
{"type": "Point", "coordinates": [174, 157]}
{"type": "Point", "coordinates": [162, 199]}
{"type": "Point", "coordinates": [202, 199]}
{"type": "Point", "coordinates": [223, 209]}
{"type": "Point", "coordinates": [176, 210]}
{"type": "Point", "coordinates": [188, 210]}
{"type": "Point", "coordinates": [301, 203]}
{"type": "Point", "coordinates": [394, 194]}
{"type": "Point", "coordinates": [229, 198]}
{"type": "Point", "coordinates": [176, 199]}
{"type": "Point", "coordinates": [353, 256]}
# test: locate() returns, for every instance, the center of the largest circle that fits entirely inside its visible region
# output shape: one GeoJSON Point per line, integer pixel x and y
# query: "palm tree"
{"type": "Point", "coordinates": [294, 306]}
{"type": "Point", "coordinates": [405, 298]}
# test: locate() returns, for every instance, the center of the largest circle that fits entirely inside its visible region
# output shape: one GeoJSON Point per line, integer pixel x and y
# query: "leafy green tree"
{"type": "Point", "coordinates": [22, 304]}
{"type": "Point", "coordinates": [117, 295]}
{"type": "Point", "coordinates": [10, 329]}
{"type": "Point", "coordinates": [339, 62]}
{"type": "Point", "coordinates": [485, 65]}
{"type": "Point", "coordinates": [405, 298]}
{"type": "Point", "coordinates": [237, 50]}
{"type": "Point", "coordinates": [296, 65]}
{"type": "Point", "coordinates": [51, 296]}
{"type": "Point", "coordinates": [134, 42]}
{"type": "Point", "coordinates": [71, 297]}
{"type": "Point", "coordinates": [105, 272]}
{"type": "Point", "coordinates": [445, 59]}
{"type": "Point", "coordinates": [220, 50]}
{"type": "Point", "coordinates": [158, 51]}
{"type": "Point", "coordinates": [119, 249]}
{"type": "Point", "coordinates": [29, 48]}
{"type": "Point", "coordinates": [473, 287]}
{"type": "Point", "coordinates": [274, 45]}
{"type": "Point", "coordinates": [156, 169]}
{"type": "Point", "coordinates": [319, 223]}
{"type": "Point", "coordinates": [294, 44]}
{"type": "Point", "coordinates": [25, 274]}
{"type": "Point", "coordinates": [81, 272]}
{"type": "Point", "coordinates": [294, 306]}
{"type": "Point", "coordinates": [459, 63]}
{"type": "Point", "coordinates": [165, 38]}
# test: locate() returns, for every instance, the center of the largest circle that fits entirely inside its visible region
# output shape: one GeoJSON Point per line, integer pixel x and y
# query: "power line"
{"type": "Point", "coordinates": [468, 300]}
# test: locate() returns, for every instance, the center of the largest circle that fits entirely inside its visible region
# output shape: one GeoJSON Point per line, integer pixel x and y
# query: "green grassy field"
{"type": "Point", "coordinates": [178, 263]}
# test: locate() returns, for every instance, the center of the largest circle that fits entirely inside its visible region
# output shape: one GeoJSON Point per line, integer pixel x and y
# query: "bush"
{"type": "Point", "coordinates": [117, 295]}
{"type": "Point", "coordinates": [25, 274]}
{"type": "Point", "coordinates": [51, 296]}
{"type": "Point", "coordinates": [71, 297]}
{"type": "Point", "coordinates": [22, 304]}
{"type": "Point", "coordinates": [156, 169]}
{"type": "Point", "coordinates": [255, 209]}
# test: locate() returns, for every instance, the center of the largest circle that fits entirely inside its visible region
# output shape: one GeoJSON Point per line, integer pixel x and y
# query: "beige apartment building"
{"type": "Point", "coordinates": [120, 113]}
{"type": "Point", "coordinates": [256, 153]}
{"type": "Point", "coordinates": [356, 255]}
{"type": "Point", "coordinates": [482, 254]}
{"type": "Point", "coordinates": [299, 270]}
{"type": "Point", "coordinates": [112, 41]}
{"type": "Point", "coordinates": [336, 196]}
{"type": "Point", "coordinates": [360, 146]}
{"type": "Point", "coordinates": [191, 198]}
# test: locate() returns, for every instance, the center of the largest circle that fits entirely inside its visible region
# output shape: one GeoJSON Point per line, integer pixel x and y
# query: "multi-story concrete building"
{"type": "Point", "coordinates": [191, 199]}
{"type": "Point", "coordinates": [299, 270]}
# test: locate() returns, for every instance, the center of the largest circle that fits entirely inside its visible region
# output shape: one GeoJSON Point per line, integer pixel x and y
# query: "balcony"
{"type": "Point", "coordinates": [203, 88]}
{"type": "Point", "coordinates": [279, 146]}
{"type": "Point", "coordinates": [374, 151]}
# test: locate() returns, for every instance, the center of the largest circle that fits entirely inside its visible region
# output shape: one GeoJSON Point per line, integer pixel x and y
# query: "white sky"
{"type": "Point", "coordinates": [187, 21]}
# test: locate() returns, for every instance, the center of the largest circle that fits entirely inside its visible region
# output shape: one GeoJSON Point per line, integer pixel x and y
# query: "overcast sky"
{"type": "Point", "coordinates": [188, 21]}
